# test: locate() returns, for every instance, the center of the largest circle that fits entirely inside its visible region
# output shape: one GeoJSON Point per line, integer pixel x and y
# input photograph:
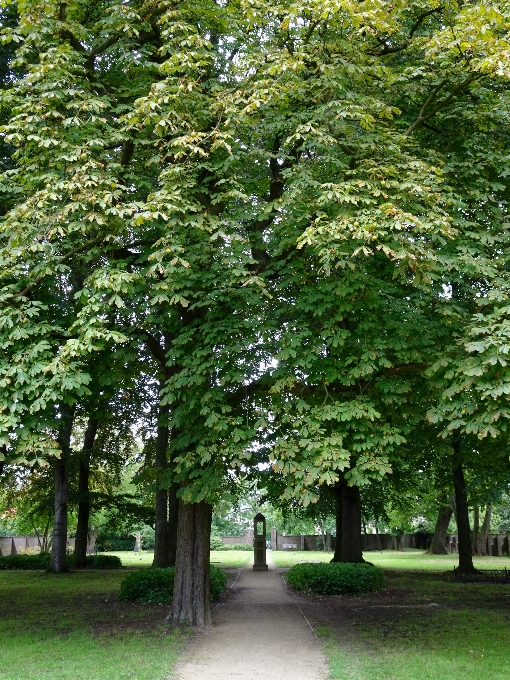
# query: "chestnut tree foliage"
{"type": "Point", "coordinates": [293, 215]}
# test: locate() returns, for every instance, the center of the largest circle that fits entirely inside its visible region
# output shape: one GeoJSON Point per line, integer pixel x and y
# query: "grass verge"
{"type": "Point", "coordinates": [72, 627]}
{"type": "Point", "coordinates": [420, 628]}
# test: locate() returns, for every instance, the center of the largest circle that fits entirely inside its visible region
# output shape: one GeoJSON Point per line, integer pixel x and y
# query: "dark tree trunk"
{"type": "Point", "coordinates": [191, 601]}
{"type": "Point", "coordinates": [352, 549]}
{"type": "Point", "coordinates": [484, 533]}
{"type": "Point", "coordinates": [475, 534]}
{"type": "Point", "coordinates": [173, 517]}
{"type": "Point", "coordinates": [337, 556]}
{"type": "Point", "coordinates": [161, 529]}
{"type": "Point", "coordinates": [438, 544]}
{"type": "Point", "coordinates": [59, 542]}
{"type": "Point", "coordinates": [461, 503]}
{"type": "Point", "coordinates": [82, 530]}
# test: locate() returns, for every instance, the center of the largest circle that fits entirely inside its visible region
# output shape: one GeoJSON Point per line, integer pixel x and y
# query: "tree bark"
{"type": "Point", "coordinates": [352, 549]}
{"type": "Point", "coordinates": [82, 530]}
{"type": "Point", "coordinates": [173, 518]}
{"type": "Point", "coordinates": [484, 533]}
{"type": "Point", "coordinates": [438, 544]}
{"type": "Point", "coordinates": [59, 542]}
{"type": "Point", "coordinates": [461, 503]}
{"type": "Point", "coordinates": [337, 489]}
{"type": "Point", "coordinates": [161, 529]}
{"type": "Point", "coordinates": [475, 534]}
{"type": "Point", "coordinates": [191, 600]}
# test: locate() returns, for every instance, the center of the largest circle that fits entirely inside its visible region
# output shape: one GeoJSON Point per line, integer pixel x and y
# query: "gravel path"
{"type": "Point", "coordinates": [258, 632]}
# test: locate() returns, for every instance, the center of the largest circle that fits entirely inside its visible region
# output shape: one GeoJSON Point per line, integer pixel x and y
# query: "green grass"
{"type": "Point", "coordinates": [414, 560]}
{"type": "Point", "coordinates": [465, 638]}
{"type": "Point", "coordinates": [72, 627]}
{"type": "Point", "coordinates": [224, 559]}
{"type": "Point", "coordinates": [231, 559]}
{"type": "Point", "coordinates": [396, 635]}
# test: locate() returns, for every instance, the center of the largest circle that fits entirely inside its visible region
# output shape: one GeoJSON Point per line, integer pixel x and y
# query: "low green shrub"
{"type": "Point", "coordinates": [157, 585]}
{"type": "Point", "coordinates": [235, 546]}
{"type": "Point", "coordinates": [103, 562]}
{"type": "Point", "coordinates": [115, 541]}
{"type": "Point", "coordinates": [216, 543]}
{"type": "Point", "coordinates": [40, 561]}
{"type": "Point", "coordinates": [336, 578]}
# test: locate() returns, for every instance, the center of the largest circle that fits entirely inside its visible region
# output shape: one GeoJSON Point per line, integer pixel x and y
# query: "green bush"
{"type": "Point", "coordinates": [103, 562]}
{"type": "Point", "coordinates": [115, 541]}
{"type": "Point", "coordinates": [336, 578]}
{"type": "Point", "coordinates": [216, 543]}
{"type": "Point", "coordinates": [157, 585]}
{"type": "Point", "coordinates": [40, 561]}
{"type": "Point", "coordinates": [236, 546]}
{"type": "Point", "coordinates": [218, 582]}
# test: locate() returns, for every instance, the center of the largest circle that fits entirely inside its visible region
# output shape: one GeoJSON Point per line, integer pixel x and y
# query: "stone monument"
{"type": "Point", "coordinates": [259, 543]}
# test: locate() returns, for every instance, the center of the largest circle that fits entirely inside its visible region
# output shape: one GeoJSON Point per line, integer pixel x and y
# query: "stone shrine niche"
{"type": "Point", "coordinates": [259, 543]}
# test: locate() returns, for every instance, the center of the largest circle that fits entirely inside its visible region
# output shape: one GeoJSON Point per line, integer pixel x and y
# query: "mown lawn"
{"type": "Point", "coordinates": [414, 560]}
{"type": "Point", "coordinates": [72, 627]}
{"type": "Point", "coordinates": [420, 627]}
{"type": "Point", "coordinates": [224, 559]}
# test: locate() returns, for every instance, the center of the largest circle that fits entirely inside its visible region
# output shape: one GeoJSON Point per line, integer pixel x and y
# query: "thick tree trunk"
{"type": "Point", "coordinates": [337, 556]}
{"type": "Point", "coordinates": [173, 517]}
{"type": "Point", "coordinates": [461, 503]}
{"type": "Point", "coordinates": [59, 542]}
{"type": "Point", "coordinates": [191, 601]}
{"type": "Point", "coordinates": [484, 533]}
{"type": "Point", "coordinates": [438, 544]}
{"type": "Point", "coordinates": [82, 530]}
{"type": "Point", "coordinates": [161, 529]}
{"type": "Point", "coordinates": [352, 549]}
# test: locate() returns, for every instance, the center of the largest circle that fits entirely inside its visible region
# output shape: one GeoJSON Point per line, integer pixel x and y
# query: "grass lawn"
{"type": "Point", "coordinates": [408, 637]}
{"type": "Point", "coordinates": [225, 559]}
{"type": "Point", "coordinates": [420, 627]}
{"type": "Point", "coordinates": [415, 560]}
{"type": "Point", "coordinates": [71, 627]}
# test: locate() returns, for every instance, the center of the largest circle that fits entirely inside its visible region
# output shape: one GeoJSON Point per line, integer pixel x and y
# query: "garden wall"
{"type": "Point", "coordinates": [15, 545]}
{"type": "Point", "coordinates": [497, 544]}
{"type": "Point", "coordinates": [232, 540]}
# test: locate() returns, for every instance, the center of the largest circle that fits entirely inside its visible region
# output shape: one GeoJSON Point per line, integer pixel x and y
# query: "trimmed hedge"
{"type": "Point", "coordinates": [236, 546]}
{"type": "Point", "coordinates": [42, 561]}
{"type": "Point", "coordinates": [157, 585]}
{"type": "Point", "coordinates": [104, 562]}
{"type": "Point", "coordinates": [336, 578]}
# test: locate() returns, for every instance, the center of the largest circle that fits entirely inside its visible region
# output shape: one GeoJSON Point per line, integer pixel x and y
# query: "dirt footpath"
{"type": "Point", "coordinates": [258, 632]}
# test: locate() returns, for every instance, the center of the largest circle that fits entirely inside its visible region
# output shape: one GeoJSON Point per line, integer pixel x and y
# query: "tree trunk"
{"type": "Point", "coordinates": [461, 503]}
{"type": "Point", "coordinates": [438, 544]}
{"type": "Point", "coordinates": [484, 533]}
{"type": "Point", "coordinates": [59, 542]}
{"type": "Point", "coordinates": [82, 530]}
{"type": "Point", "coordinates": [352, 550]}
{"type": "Point", "coordinates": [337, 489]}
{"type": "Point", "coordinates": [191, 601]}
{"type": "Point", "coordinates": [161, 529]}
{"type": "Point", "coordinates": [173, 517]}
{"type": "Point", "coordinates": [475, 534]}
